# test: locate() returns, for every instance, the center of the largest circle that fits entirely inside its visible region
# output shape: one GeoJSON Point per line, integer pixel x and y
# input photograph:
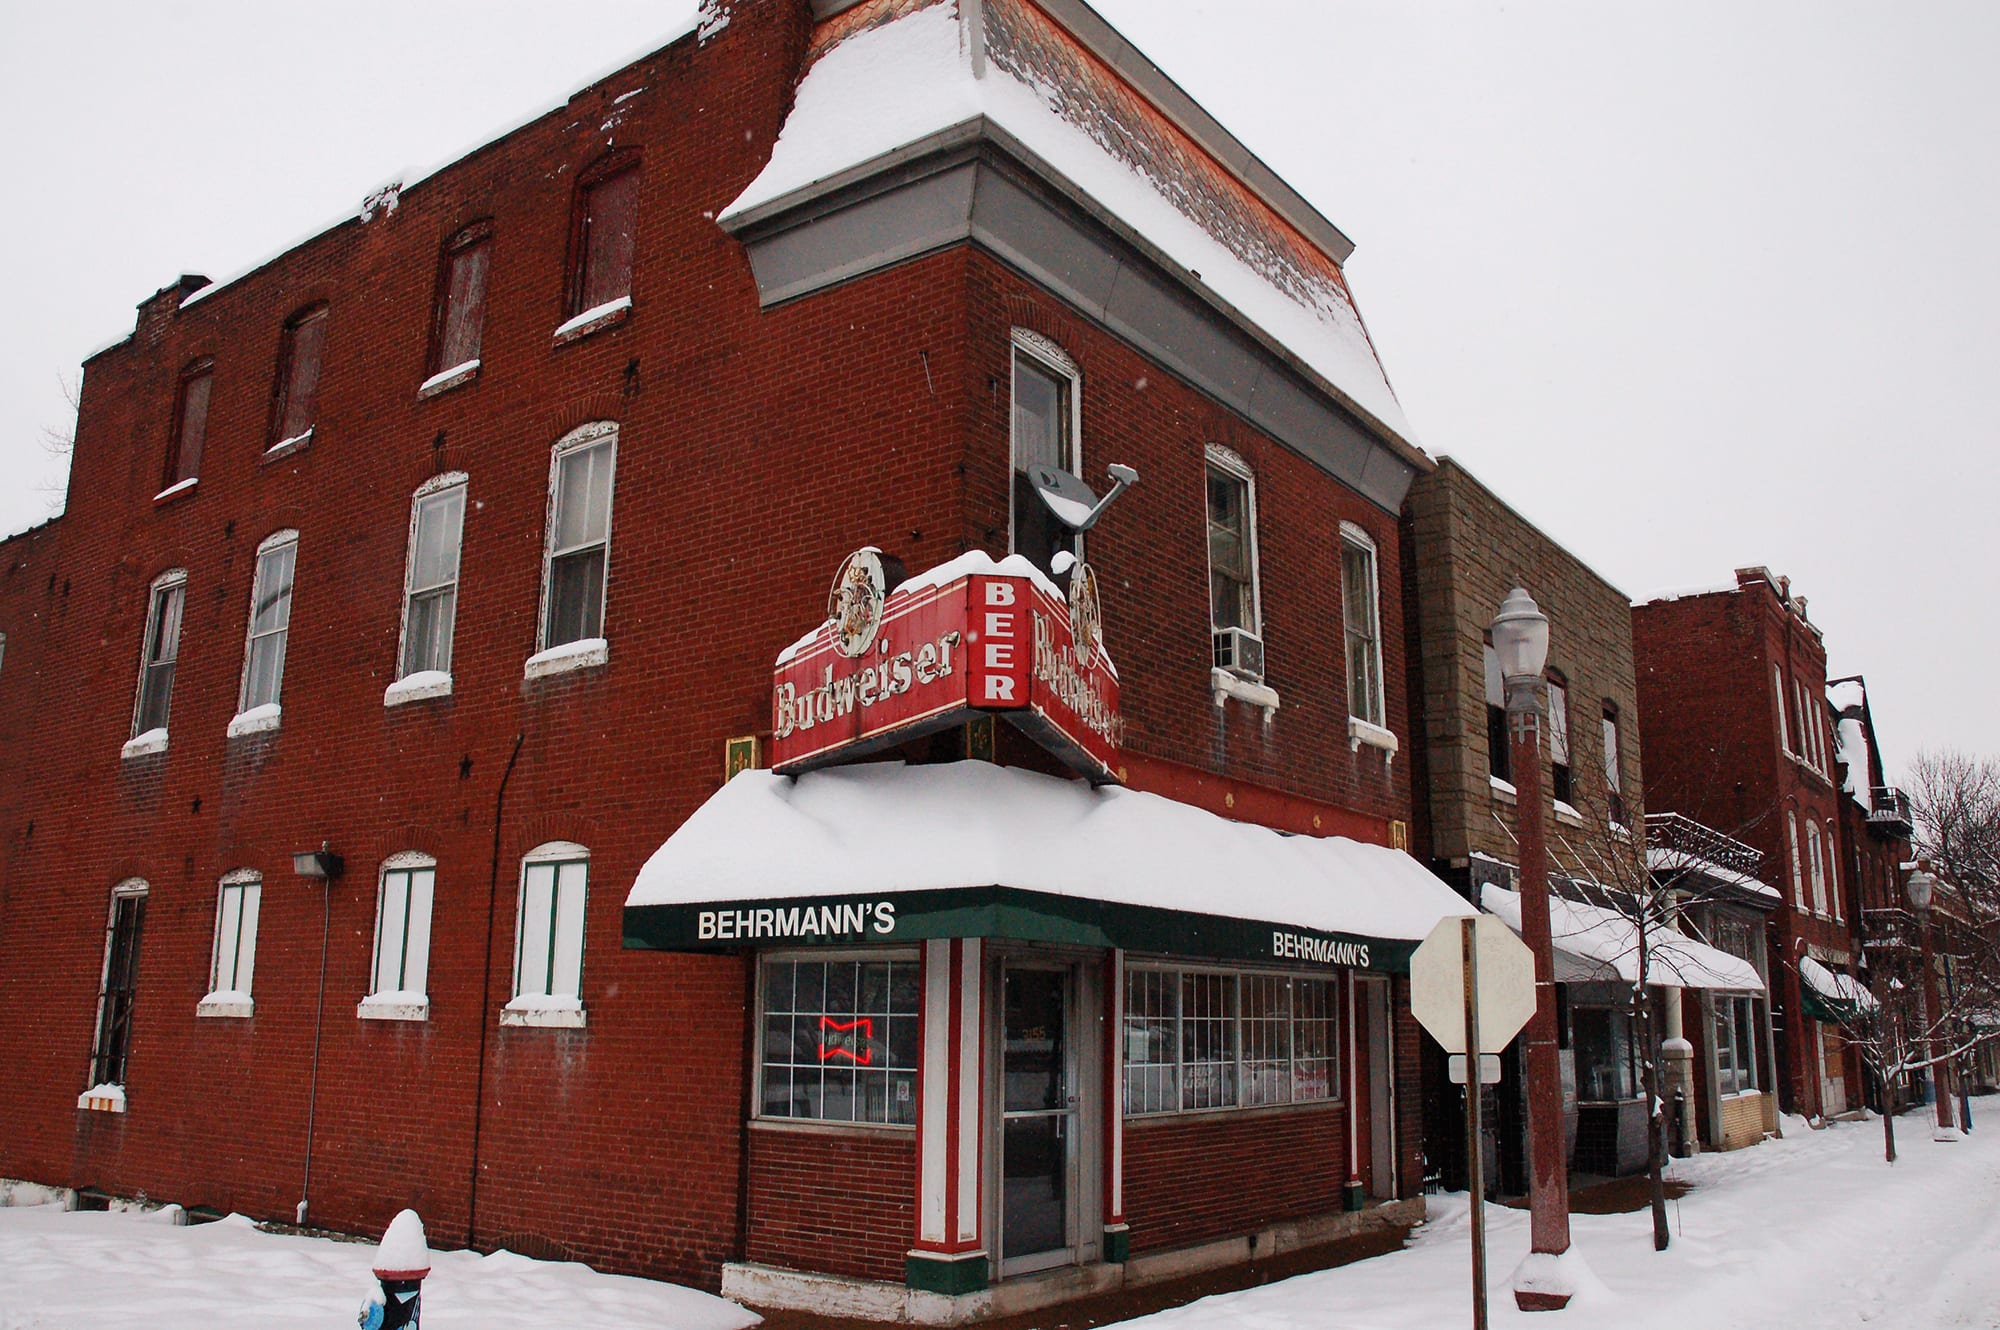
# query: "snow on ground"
{"type": "Point", "coordinates": [1812, 1230]}
{"type": "Point", "coordinates": [63, 1270]}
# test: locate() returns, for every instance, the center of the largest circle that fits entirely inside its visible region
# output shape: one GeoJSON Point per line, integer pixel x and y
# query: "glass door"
{"type": "Point", "coordinates": [1038, 1112]}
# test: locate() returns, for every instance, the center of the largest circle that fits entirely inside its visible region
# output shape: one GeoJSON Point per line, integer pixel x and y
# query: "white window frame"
{"type": "Point", "coordinates": [233, 955]}
{"type": "Point", "coordinates": [408, 1001]}
{"type": "Point", "coordinates": [548, 1007]}
{"type": "Point", "coordinates": [1231, 463]}
{"type": "Point", "coordinates": [1051, 358]}
{"type": "Point", "coordinates": [266, 548]}
{"type": "Point", "coordinates": [1832, 874]}
{"type": "Point", "coordinates": [1798, 864]}
{"type": "Point", "coordinates": [430, 493]}
{"type": "Point", "coordinates": [1355, 537]}
{"type": "Point", "coordinates": [1337, 1068]}
{"type": "Point", "coordinates": [832, 955]}
{"type": "Point", "coordinates": [1818, 863]}
{"type": "Point", "coordinates": [172, 578]}
{"type": "Point", "coordinates": [587, 650]}
{"type": "Point", "coordinates": [1784, 715]}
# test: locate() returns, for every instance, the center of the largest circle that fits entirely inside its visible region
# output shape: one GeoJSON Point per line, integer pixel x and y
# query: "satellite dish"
{"type": "Point", "coordinates": [1074, 503]}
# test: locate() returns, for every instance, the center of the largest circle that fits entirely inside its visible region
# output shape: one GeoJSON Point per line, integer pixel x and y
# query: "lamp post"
{"type": "Point", "coordinates": [1922, 886]}
{"type": "Point", "coordinates": [1521, 641]}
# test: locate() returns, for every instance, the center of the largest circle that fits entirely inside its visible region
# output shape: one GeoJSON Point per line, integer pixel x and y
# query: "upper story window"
{"type": "Point", "coordinates": [1043, 433]}
{"type": "Point", "coordinates": [1499, 755]}
{"type": "Point", "coordinates": [120, 982]}
{"type": "Point", "coordinates": [1833, 872]}
{"type": "Point", "coordinates": [430, 581]}
{"type": "Point", "coordinates": [1232, 543]}
{"type": "Point", "coordinates": [1560, 784]}
{"type": "Point", "coordinates": [1817, 862]}
{"type": "Point", "coordinates": [548, 936]}
{"type": "Point", "coordinates": [839, 1039]}
{"type": "Point", "coordinates": [403, 929]}
{"type": "Point", "coordinates": [1784, 710]}
{"type": "Point", "coordinates": [1798, 864]}
{"type": "Point", "coordinates": [297, 393]}
{"type": "Point", "coordinates": [461, 310]}
{"type": "Point", "coordinates": [1361, 607]}
{"type": "Point", "coordinates": [1614, 766]}
{"type": "Point", "coordinates": [235, 956]}
{"type": "Point", "coordinates": [607, 223]}
{"type": "Point", "coordinates": [190, 423]}
{"type": "Point", "coordinates": [577, 561]}
{"type": "Point", "coordinates": [270, 622]}
{"type": "Point", "coordinates": [160, 652]}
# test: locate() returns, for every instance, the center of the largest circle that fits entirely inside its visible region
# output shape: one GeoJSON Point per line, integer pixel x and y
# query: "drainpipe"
{"type": "Point", "coordinates": [486, 998]}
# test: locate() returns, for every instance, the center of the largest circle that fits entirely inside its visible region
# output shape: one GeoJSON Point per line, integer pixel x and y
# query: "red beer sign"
{"type": "Point", "coordinates": [970, 637]}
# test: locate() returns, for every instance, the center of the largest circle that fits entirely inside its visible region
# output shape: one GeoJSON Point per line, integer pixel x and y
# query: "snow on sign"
{"type": "Point", "coordinates": [897, 658]}
{"type": "Point", "coordinates": [1506, 984]}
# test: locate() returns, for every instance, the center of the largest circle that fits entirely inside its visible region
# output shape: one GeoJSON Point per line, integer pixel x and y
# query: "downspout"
{"type": "Point", "coordinates": [486, 998]}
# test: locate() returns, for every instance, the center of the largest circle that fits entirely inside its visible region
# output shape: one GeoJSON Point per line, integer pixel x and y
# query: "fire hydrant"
{"type": "Point", "coordinates": [401, 1262]}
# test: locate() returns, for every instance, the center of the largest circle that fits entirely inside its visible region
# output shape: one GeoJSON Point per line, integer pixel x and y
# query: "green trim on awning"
{"type": "Point", "coordinates": [890, 917]}
{"type": "Point", "coordinates": [1829, 1011]}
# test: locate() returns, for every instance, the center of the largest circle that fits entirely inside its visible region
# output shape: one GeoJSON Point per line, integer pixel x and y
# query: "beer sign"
{"type": "Point", "coordinates": [895, 661]}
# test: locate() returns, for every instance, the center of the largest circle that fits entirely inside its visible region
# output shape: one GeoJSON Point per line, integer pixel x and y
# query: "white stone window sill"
{"type": "Point", "coordinates": [598, 316]}
{"type": "Point", "coordinates": [176, 489]}
{"type": "Point", "coordinates": [446, 379]}
{"type": "Point", "coordinates": [1226, 685]}
{"type": "Point", "coordinates": [1361, 732]}
{"type": "Point", "coordinates": [235, 1005]}
{"type": "Point", "coordinates": [560, 1013]}
{"type": "Point", "coordinates": [1503, 790]}
{"type": "Point", "coordinates": [585, 653]}
{"type": "Point", "coordinates": [257, 720]}
{"type": "Point", "coordinates": [416, 687]}
{"type": "Point", "coordinates": [105, 1098]}
{"type": "Point", "coordinates": [286, 447]}
{"type": "Point", "coordinates": [1621, 831]}
{"type": "Point", "coordinates": [401, 1006]}
{"type": "Point", "coordinates": [1567, 815]}
{"type": "Point", "coordinates": [142, 745]}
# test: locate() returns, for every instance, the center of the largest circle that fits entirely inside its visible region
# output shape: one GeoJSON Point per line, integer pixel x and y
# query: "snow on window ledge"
{"type": "Point", "coordinates": [228, 1002]}
{"type": "Point", "coordinates": [256, 720]}
{"type": "Point", "coordinates": [447, 379]}
{"type": "Point", "coordinates": [1226, 685]}
{"type": "Point", "coordinates": [286, 447]}
{"type": "Point", "coordinates": [103, 1098]}
{"type": "Point", "coordinates": [580, 654]}
{"type": "Point", "coordinates": [597, 316]}
{"type": "Point", "coordinates": [1361, 732]}
{"type": "Point", "coordinates": [394, 1006]}
{"type": "Point", "coordinates": [1567, 814]}
{"type": "Point", "coordinates": [416, 687]}
{"type": "Point", "coordinates": [1503, 790]}
{"type": "Point", "coordinates": [142, 745]}
{"type": "Point", "coordinates": [1621, 831]}
{"type": "Point", "coordinates": [546, 1012]}
{"type": "Point", "coordinates": [175, 490]}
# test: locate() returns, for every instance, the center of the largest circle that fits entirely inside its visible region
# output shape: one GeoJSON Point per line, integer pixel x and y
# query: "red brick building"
{"type": "Point", "coordinates": [457, 544]}
{"type": "Point", "coordinates": [1732, 705]}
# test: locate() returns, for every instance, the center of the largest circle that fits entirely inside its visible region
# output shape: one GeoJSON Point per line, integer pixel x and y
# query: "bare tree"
{"type": "Point", "coordinates": [1955, 814]}
{"type": "Point", "coordinates": [59, 442]}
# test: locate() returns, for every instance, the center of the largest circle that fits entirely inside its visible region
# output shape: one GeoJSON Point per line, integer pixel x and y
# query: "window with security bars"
{"type": "Point", "coordinates": [121, 977]}
{"type": "Point", "coordinates": [235, 957]}
{"type": "Point", "coordinates": [840, 1040]}
{"type": "Point", "coordinates": [1206, 1039]}
{"type": "Point", "coordinates": [430, 596]}
{"type": "Point", "coordinates": [403, 928]}
{"type": "Point", "coordinates": [161, 650]}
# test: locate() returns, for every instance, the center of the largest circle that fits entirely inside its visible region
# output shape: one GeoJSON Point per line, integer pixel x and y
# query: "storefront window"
{"type": "Point", "coordinates": [1205, 1039]}
{"type": "Point", "coordinates": [1602, 1040]}
{"type": "Point", "coordinates": [840, 1040]}
{"type": "Point", "coordinates": [1736, 1064]}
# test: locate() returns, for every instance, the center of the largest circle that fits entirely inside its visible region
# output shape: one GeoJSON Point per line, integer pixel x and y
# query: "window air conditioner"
{"type": "Point", "coordinates": [1241, 652]}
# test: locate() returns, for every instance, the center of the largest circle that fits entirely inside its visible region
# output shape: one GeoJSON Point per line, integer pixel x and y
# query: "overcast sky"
{"type": "Point", "coordinates": [1694, 286]}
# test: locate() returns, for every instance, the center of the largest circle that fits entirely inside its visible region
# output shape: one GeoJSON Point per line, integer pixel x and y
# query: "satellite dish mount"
{"type": "Point", "coordinates": [1072, 501]}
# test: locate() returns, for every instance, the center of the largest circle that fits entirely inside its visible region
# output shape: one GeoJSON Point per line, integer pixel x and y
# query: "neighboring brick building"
{"type": "Point", "coordinates": [1732, 698]}
{"type": "Point", "coordinates": [458, 541]}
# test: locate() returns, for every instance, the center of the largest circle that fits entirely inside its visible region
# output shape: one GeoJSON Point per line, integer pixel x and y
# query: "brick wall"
{"type": "Point", "coordinates": [841, 1203]}
{"type": "Point", "coordinates": [1192, 1180]}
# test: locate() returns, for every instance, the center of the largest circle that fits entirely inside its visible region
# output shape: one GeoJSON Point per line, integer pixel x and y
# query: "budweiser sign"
{"type": "Point", "coordinates": [898, 659]}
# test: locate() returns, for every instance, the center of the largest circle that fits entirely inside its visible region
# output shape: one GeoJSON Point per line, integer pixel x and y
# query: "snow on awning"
{"type": "Point", "coordinates": [885, 852]}
{"type": "Point", "coordinates": [1830, 996]}
{"type": "Point", "coordinates": [1594, 944]}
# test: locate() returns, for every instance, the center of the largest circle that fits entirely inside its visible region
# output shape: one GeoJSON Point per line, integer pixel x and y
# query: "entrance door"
{"type": "Point", "coordinates": [1381, 1092]}
{"type": "Point", "coordinates": [1039, 1120]}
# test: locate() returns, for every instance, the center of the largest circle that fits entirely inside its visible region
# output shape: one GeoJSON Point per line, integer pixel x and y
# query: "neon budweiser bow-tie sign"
{"type": "Point", "coordinates": [853, 1041]}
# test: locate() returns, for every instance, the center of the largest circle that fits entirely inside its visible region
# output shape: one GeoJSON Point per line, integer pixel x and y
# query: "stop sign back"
{"type": "Point", "coordinates": [1506, 980]}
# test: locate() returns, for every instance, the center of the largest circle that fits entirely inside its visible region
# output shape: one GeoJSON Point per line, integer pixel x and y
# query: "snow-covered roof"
{"type": "Point", "coordinates": [1847, 694]}
{"type": "Point", "coordinates": [886, 87]}
{"type": "Point", "coordinates": [1851, 739]}
{"type": "Point", "coordinates": [1666, 859]}
{"type": "Point", "coordinates": [1602, 944]}
{"type": "Point", "coordinates": [889, 828]}
{"type": "Point", "coordinates": [1834, 986]}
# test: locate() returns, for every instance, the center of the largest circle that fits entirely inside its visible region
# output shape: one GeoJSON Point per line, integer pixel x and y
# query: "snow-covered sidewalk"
{"type": "Point", "coordinates": [1812, 1230]}
{"type": "Point", "coordinates": [96, 1271]}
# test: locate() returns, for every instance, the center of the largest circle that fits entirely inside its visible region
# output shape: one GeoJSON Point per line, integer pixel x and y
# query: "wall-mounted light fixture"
{"type": "Point", "coordinates": [322, 864]}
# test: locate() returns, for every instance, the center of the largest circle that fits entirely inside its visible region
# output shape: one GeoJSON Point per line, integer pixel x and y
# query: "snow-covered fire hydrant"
{"type": "Point", "coordinates": [401, 1262]}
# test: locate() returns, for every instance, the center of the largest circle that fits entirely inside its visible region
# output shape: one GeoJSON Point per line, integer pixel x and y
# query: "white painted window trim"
{"type": "Point", "coordinates": [141, 741]}
{"type": "Point", "coordinates": [1798, 868]}
{"type": "Point", "coordinates": [1231, 462]}
{"type": "Point", "coordinates": [899, 955]}
{"type": "Point", "coordinates": [233, 998]}
{"type": "Point", "coordinates": [583, 436]}
{"type": "Point", "coordinates": [1055, 360]}
{"type": "Point", "coordinates": [430, 489]}
{"type": "Point", "coordinates": [1832, 874]}
{"type": "Point", "coordinates": [400, 1004]}
{"type": "Point", "coordinates": [539, 1009]}
{"type": "Point", "coordinates": [272, 543]}
{"type": "Point", "coordinates": [91, 1098]}
{"type": "Point", "coordinates": [1352, 534]}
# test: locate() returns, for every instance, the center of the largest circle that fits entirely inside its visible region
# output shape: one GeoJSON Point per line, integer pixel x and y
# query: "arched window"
{"type": "Point", "coordinates": [398, 978]}
{"type": "Point", "coordinates": [577, 552]}
{"type": "Point", "coordinates": [430, 580]}
{"type": "Point", "coordinates": [269, 629]}
{"type": "Point", "coordinates": [233, 961]}
{"type": "Point", "coordinates": [548, 937]}
{"type": "Point", "coordinates": [159, 653]}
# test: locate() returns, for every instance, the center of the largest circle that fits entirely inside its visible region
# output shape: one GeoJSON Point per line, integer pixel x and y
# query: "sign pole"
{"type": "Point", "coordinates": [1474, 1125]}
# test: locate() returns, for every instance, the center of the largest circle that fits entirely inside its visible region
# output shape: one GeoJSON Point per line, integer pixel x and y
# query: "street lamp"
{"type": "Point", "coordinates": [1521, 641]}
{"type": "Point", "coordinates": [1922, 888]}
